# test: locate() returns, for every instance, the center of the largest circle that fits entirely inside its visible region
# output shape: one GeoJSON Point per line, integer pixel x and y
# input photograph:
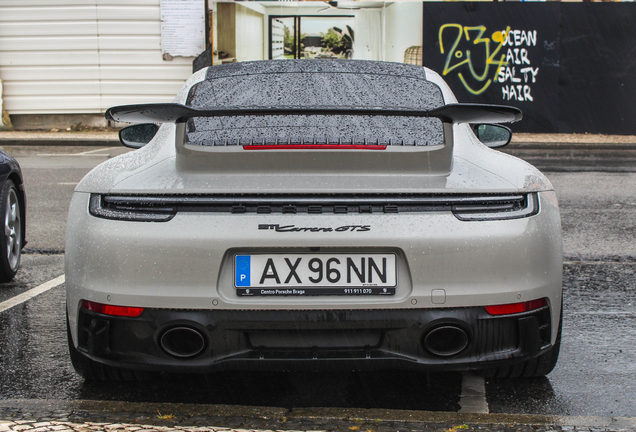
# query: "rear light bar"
{"type": "Point", "coordinates": [122, 311]}
{"type": "Point", "coordinates": [516, 307]}
{"type": "Point", "coordinates": [162, 208]}
{"type": "Point", "coordinates": [315, 147]}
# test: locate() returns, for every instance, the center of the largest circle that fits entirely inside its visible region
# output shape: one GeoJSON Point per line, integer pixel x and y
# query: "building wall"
{"type": "Point", "coordinates": [249, 34]}
{"type": "Point", "coordinates": [403, 27]}
{"type": "Point", "coordinates": [84, 56]}
{"type": "Point", "coordinates": [68, 57]}
{"type": "Point", "coordinates": [226, 30]}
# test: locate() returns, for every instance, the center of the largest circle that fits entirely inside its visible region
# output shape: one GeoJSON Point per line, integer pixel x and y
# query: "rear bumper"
{"type": "Point", "coordinates": [187, 263]}
{"type": "Point", "coordinates": [318, 339]}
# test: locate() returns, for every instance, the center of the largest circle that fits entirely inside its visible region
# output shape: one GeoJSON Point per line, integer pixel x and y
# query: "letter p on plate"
{"type": "Point", "coordinates": [242, 270]}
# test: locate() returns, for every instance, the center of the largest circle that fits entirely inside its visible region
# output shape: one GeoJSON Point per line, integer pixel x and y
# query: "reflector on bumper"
{"type": "Point", "coordinates": [124, 311]}
{"type": "Point", "coordinates": [516, 307]}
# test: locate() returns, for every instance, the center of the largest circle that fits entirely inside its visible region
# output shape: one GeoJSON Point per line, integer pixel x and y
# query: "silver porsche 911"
{"type": "Point", "coordinates": [313, 214]}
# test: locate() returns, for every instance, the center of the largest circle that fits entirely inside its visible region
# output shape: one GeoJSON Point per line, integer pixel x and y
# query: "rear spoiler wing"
{"type": "Point", "coordinates": [178, 113]}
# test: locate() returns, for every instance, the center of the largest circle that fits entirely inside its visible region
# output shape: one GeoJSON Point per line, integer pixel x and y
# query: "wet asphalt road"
{"type": "Point", "coordinates": [595, 374]}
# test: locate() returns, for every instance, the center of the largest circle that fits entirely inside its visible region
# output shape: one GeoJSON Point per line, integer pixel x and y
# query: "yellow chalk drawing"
{"type": "Point", "coordinates": [497, 38]}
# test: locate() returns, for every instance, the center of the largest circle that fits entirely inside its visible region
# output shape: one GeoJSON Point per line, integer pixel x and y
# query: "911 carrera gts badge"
{"type": "Point", "coordinates": [294, 228]}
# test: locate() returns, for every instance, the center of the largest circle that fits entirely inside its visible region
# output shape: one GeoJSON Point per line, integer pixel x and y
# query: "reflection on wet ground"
{"type": "Point", "coordinates": [35, 365]}
{"type": "Point", "coordinates": [596, 369]}
{"type": "Point", "coordinates": [594, 375]}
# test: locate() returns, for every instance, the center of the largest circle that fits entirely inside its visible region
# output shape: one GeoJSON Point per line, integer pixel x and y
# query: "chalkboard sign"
{"type": "Point", "coordinates": [501, 53]}
{"type": "Point", "coordinates": [568, 66]}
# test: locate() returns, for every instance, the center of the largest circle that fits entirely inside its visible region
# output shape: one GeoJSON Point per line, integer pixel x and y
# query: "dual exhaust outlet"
{"type": "Point", "coordinates": [183, 342]}
{"type": "Point", "coordinates": [445, 340]}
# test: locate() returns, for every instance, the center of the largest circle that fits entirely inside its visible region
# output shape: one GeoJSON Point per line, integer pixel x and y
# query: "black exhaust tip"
{"type": "Point", "coordinates": [445, 340]}
{"type": "Point", "coordinates": [182, 342]}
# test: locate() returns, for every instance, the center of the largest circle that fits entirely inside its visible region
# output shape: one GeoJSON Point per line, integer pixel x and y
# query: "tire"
{"type": "Point", "coordinates": [94, 371]}
{"type": "Point", "coordinates": [534, 368]}
{"type": "Point", "coordinates": [11, 239]}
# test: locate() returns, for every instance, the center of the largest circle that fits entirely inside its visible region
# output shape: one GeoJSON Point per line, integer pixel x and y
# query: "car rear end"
{"type": "Point", "coordinates": [277, 247]}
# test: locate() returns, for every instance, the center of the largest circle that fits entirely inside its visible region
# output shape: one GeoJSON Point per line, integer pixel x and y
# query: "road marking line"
{"type": "Point", "coordinates": [72, 154]}
{"type": "Point", "coordinates": [473, 397]}
{"type": "Point", "coordinates": [92, 151]}
{"type": "Point", "coordinates": [28, 295]}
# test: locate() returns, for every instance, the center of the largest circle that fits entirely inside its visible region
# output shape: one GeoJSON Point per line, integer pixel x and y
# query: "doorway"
{"type": "Point", "coordinates": [311, 37]}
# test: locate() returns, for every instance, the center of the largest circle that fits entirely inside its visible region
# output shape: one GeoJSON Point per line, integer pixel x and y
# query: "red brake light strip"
{"type": "Point", "coordinates": [315, 147]}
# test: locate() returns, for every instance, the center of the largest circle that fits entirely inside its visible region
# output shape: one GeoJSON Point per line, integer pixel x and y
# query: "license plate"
{"type": "Point", "coordinates": [315, 274]}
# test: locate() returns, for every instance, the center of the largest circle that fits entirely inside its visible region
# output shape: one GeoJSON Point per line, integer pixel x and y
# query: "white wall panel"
{"type": "Point", "coordinates": [49, 73]}
{"type": "Point", "coordinates": [30, 3]}
{"type": "Point", "coordinates": [52, 13]}
{"type": "Point", "coordinates": [149, 73]}
{"type": "Point", "coordinates": [147, 28]}
{"type": "Point", "coordinates": [129, 13]}
{"type": "Point", "coordinates": [48, 58]}
{"type": "Point", "coordinates": [61, 88]}
{"type": "Point", "coordinates": [50, 43]}
{"type": "Point", "coordinates": [112, 57]}
{"type": "Point", "coordinates": [47, 28]}
{"type": "Point", "coordinates": [155, 88]}
{"type": "Point", "coordinates": [403, 29]}
{"type": "Point", "coordinates": [139, 43]}
{"type": "Point", "coordinates": [126, 2]}
{"type": "Point", "coordinates": [83, 56]}
{"type": "Point", "coordinates": [53, 104]}
{"type": "Point", "coordinates": [249, 34]}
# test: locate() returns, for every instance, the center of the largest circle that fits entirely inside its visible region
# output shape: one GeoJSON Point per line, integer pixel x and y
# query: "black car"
{"type": "Point", "coordinates": [13, 205]}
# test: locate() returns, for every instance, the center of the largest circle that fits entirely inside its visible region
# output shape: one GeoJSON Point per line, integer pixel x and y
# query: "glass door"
{"type": "Point", "coordinates": [283, 38]}
{"type": "Point", "coordinates": [311, 37]}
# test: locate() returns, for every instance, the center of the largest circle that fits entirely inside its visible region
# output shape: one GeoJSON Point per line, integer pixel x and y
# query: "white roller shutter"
{"type": "Point", "coordinates": [84, 56]}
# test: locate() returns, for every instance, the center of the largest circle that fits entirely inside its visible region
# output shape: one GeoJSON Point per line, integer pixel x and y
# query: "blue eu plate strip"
{"type": "Point", "coordinates": [243, 268]}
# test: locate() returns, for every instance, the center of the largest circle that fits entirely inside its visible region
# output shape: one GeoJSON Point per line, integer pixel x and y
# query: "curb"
{"type": "Point", "coordinates": [280, 418]}
{"type": "Point", "coordinates": [36, 141]}
{"type": "Point", "coordinates": [522, 145]}
{"type": "Point", "coordinates": [39, 138]}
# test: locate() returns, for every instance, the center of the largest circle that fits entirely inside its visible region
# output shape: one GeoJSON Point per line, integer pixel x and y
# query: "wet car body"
{"type": "Point", "coordinates": [13, 212]}
{"type": "Point", "coordinates": [360, 225]}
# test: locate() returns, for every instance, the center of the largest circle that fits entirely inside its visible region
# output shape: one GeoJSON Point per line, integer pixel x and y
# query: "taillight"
{"type": "Point", "coordinates": [516, 307]}
{"type": "Point", "coordinates": [123, 311]}
{"type": "Point", "coordinates": [514, 208]}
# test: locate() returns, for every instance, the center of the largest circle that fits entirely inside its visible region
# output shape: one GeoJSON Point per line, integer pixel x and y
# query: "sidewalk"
{"type": "Point", "coordinates": [43, 138]}
{"type": "Point", "coordinates": [93, 416]}
{"type": "Point", "coordinates": [520, 140]}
